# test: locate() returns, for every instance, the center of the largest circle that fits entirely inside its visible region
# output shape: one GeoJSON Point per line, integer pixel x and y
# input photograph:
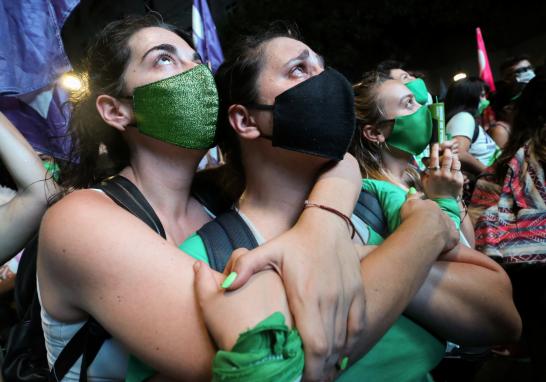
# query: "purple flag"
{"type": "Point", "coordinates": [204, 35]}
{"type": "Point", "coordinates": [32, 58]}
{"type": "Point", "coordinates": [31, 53]}
{"type": "Point", "coordinates": [43, 126]}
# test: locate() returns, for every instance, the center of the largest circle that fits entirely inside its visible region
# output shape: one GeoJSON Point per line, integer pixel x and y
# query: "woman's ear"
{"type": "Point", "coordinates": [114, 112]}
{"type": "Point", "coordinates": [373, 134]}
{"type": "Point", "coordinates": [242, 122]}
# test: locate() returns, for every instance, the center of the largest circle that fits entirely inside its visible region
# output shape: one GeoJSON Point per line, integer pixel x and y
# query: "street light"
{"type": "Point", "coordinates": [71, 82]}
{"type": "Point", "coordinates": [459, 76]}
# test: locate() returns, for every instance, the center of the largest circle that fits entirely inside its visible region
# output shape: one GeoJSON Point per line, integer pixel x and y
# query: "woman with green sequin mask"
{"type": "Point", "coordinates": [275, 179]}
{"type": "Point", "coordinates": [96, 259]}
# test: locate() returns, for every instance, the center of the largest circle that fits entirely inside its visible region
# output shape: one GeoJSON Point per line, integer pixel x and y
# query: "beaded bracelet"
{"type": "Point", "coordinates": [350, 224]}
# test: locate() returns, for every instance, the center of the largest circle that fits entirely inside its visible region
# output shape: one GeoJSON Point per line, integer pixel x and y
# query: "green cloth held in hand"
{"type": "Point", "coordinates": [268, 352]}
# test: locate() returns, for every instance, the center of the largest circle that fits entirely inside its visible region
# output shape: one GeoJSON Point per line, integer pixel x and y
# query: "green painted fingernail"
{"type": "Point", "coordinates": [412, 191]}
{"type": "Point", "coordinates": [344, 363]}
{"type": "Point", "coordinates": [229, 280]}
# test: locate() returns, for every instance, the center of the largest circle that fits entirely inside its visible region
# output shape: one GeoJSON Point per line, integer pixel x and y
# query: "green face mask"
{"type": "Point", "coordinates": [484, 103]}
{"type": "Point", "coordinates": [182, 109]}
{"type": "Point", "coordinates": [411, 133]}
{"type": "Point", "coordinates": [419, 90]}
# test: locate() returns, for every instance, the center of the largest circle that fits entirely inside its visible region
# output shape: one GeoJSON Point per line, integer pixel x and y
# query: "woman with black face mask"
{"type": "Point", "coordinates": [149, 116]}
{"type": "Point", "coordinates": [283, 117]}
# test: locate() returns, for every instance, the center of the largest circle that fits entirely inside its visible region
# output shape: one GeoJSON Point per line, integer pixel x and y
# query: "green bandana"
{"type": "Point", "coordinates": [411, 133]}
{"type": "Point", "coordinates": [484, 103]}
{"type": "Point", "coordinates": [181, 109]}
{"type": "Point", "coordinates": [419, 90]}
{"type": "Point", "coordinates": [269, 352]}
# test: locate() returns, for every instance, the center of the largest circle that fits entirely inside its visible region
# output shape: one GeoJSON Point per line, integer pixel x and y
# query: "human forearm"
{"type": "Point", "coordinates": [20, 217]}
{"type": "Point", "coordinates": [24, 166]}
{"type": "Point", "coordinates": [467, 299]}
{"type": "Point", "coordinates": [394, 272]}
{"type": "Point", "coordinates": [339, 186]}
{"type": "Point", "coordinates": [470, 164]}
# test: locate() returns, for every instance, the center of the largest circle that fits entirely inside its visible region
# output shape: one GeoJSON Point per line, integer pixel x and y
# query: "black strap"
{"type": "Point", "coordinates": [122, 191]}
{"type": "Point", "coordinates": [223, 235]}
{"type": "Point", "coordinates": [476, 132]}
{"type": "Point", "coordinates": [87, 342]}
{"type": "Point", "coordinates": [90, 337]}
{"type": "Point", "coordinates": [229, 231]}
{"type": "Point", "coordinates": [369, 210]}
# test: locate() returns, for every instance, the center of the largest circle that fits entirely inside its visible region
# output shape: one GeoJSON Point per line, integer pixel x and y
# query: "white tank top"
{"type": "Point", "coordinates": [110, 364]}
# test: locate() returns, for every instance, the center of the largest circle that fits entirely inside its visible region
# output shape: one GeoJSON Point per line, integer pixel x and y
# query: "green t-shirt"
{"type": "Point", "coordinates": [391, 198]}
{"type": "Point", "coordinates": [406, 353]}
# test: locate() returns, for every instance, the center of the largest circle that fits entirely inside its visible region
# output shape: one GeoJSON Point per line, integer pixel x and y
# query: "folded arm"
{"type": "Point", "coordinates": [467, 299]}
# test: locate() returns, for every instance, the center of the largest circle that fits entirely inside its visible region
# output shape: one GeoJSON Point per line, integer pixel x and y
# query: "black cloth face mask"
{"type": "Point", "coordinates": [315, 117]}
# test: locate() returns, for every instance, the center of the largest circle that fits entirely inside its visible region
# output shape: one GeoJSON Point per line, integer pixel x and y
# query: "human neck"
{"type": "Point", "coordinates": [277, 184]}
{"type": "Point", "coordinates": [164, 174]}
{"type": "Point", "coordinates": [395, 165]}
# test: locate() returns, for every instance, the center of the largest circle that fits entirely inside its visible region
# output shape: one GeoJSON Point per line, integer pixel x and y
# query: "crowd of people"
{"type": "Point", "coordinates": [275, 266]}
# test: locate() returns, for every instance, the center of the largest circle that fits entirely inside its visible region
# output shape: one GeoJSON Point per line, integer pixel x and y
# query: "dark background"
{"type": "Point", "coordinates": [435, 37]}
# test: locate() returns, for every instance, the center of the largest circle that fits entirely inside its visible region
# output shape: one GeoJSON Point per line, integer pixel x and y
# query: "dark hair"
{"type": "Point", "coordinates": [529, 126]}
{"type": "Point", "coordinates": [504, 95]}
{"type": "Point", "coordinates": [506, 65]}
{"type": "Point", "coordinates": [385, 67]}
{"type": "Point", "coordinates": [98, 150]}
{"type": "Point", "coordinates": [463, 95]}
{"type": "Point", "coordinates": [368, 112]}
{"type": "Point", "coordinates": [236, 80]}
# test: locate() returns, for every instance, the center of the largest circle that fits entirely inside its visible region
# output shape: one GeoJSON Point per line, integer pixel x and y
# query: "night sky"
{"type": "Point", "coordinates": [436, 37]}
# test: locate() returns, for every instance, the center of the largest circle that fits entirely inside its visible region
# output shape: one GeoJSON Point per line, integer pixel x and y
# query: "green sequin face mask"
{"type": "Point", "coordinates": [181, 109]}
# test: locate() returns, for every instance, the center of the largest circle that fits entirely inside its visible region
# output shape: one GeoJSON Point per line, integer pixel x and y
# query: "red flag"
{"type": "Point", "coordinates": [483, 61]}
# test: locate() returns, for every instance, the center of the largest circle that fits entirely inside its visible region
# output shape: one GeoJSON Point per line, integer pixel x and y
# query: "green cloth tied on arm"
{"type": "Point", "coordinates": [450, 206]}
{"type": "Point", "coordinates": [268, 352]}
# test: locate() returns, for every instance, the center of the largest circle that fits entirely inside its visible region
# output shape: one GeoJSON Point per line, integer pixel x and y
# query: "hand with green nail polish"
{"type": "Point", "coordinates": [228, 314]}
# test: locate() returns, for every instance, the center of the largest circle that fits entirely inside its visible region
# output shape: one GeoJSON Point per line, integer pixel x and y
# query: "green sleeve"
{"type": "Point", "coordinates": [138, 371]}
{"type": "Point", "coordinates": [269, 352]}
{"type": "Point", "coordinates": [390, 197]}
{"type": "Point", "coordinates": [450, 206]}
{"type": "Point", "coordinates": [375, 238]}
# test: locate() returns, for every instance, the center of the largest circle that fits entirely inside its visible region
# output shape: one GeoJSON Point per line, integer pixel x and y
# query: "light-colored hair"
{"type": "Point", "coordinates": [368, 112]}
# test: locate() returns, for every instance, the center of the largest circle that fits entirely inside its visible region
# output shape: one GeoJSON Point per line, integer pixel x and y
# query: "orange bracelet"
{"type": "Point", "coordinates": [350, 224]}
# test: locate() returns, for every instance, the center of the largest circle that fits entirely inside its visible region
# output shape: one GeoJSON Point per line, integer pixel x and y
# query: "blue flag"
{"type": "Point", "coordinates": [32, 58]}
{"type": "Point", "coordinates": [204, 35]}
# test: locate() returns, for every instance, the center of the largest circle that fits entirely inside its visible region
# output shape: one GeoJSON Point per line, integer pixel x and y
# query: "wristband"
{"type": "Point", "coordinates": [350, 224]}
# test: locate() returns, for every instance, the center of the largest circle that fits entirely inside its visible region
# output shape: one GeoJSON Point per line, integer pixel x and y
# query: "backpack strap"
{"type": "Point", "coordinates": [125, 194]}
{"type": "Point", "coordinates": [90, 337]}
{"type": "Point", "coordinates": [223, 235]}
{"type": "Point", "coordinates": [86, 343]}
{"type": "Point", "coordinates": [476, 132]}
{"type": "Point", "coordinates": [369, 210]}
